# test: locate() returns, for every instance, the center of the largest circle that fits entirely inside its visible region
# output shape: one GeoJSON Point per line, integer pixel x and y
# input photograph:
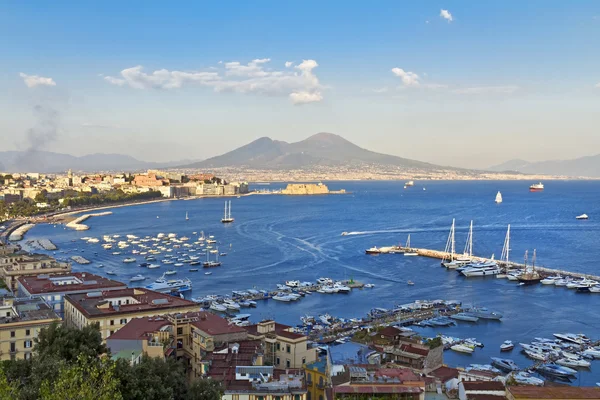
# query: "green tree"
{"type": "Point", "coordinates": [65, 343]}
{"type": "Point", "coordinates": [205, 389]}
{"type": "Point", "coordinates": [152, 379]}
{"type": "Point", "coordinates": [41, 196]}
{"type": "Point", "coordinates": [87, 379]}
{"type": "Point", "coordinates": [9, 390]}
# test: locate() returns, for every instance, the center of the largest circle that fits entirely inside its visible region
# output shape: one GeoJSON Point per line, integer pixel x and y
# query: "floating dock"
{"type": "Point", "coordinates": [77, 223]}
{"type": "Point", "coordinates": [80, 260]}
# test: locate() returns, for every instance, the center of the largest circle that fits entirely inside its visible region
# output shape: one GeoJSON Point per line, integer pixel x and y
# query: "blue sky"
{"type": "Point", "coordinates": [477, 84]}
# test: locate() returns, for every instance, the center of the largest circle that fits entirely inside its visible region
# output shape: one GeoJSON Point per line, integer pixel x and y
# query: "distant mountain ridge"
{"type": "Point", "coordinates": [46, 161]}
{"type": "Point", "coordinates": [588, 166]}
{"type": "Point", "coordinates": [321, 149]}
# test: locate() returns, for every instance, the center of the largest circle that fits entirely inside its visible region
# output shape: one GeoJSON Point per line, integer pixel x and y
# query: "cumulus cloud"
{"type": "Point", "coordinates": [32, 81]}
{"type": "Point", "coordinates": [288, 64]}
{"type": "Point", "coordinates": [300, 84]}
{"type": "Point", "coordinates": [408, 78]}
{"type": "Point", "coordinates": [446, 15]}
{"type": "Point", "coordinates": [509, 89]}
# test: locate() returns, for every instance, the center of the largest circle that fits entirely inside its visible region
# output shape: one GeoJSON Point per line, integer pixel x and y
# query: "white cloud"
{"type": "Point", "coordinates": [299, 98]}
{"type": "Point", "coordinates": [34, 80]}
{"type": "Point", "coordinates": [288, 64]}
{"type": "Point", "coordinates": [434, 86]}
{"type": "Point", "coordinates": [301, 85]}
{"type": "Point", "coordinates": [598, 85]}
{"type": "Point", "coordinates": [488, 89]}
{"type": "Point", "coordinates": [446, 15]}
{"type": "Point", "coordinates": [408, 78]}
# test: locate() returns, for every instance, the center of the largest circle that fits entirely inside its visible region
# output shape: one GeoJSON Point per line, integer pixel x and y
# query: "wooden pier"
{"type": "Point", "coordinates": [442, 255]}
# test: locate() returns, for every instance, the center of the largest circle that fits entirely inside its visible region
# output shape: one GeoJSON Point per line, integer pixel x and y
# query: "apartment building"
{"type": "Point", "coordinates": [20, 322]}
{"type": "Point", "coordinates": [53, 288]}
{"type": "Point", "coordinates": [16, 265]}
{"type": "Point", "coordinates": [113, 309]}
{"type": "Point", "coordinates": [283, 347]}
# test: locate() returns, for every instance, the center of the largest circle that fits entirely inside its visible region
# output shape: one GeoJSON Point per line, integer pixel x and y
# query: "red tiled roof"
{"type": "Point", "coordinates": [403, 374]}
{"type": "Point", "coordinates": [483, 385]}
{"type": "Point", "coordinates": [138, 328]}
{"type": "Point", "coordinates": [38, 285]}
{"type": "Point", "coordinates": [390, 331]}
{"type": "Point", "coordinates": [409, 348]}
{"type": "Point", "coordinates": [88, 306]}
{"type": "Point", "coordinates": [444, 373]}
{"type": "Point", "coordinates": [213, 324]}
{"type": "Point", "coordinates": [473, 396]}
{"type": "Point", "coordinates": [280, 330]}
{"type": "Point", "coordinates": [564, 392]}
{"type": "Point", "coordinates": [376, 389]}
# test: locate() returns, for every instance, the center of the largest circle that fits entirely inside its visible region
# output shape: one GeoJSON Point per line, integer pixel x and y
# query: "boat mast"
{"type": "Point", "coordinates": [506, 247]}
{"type": "Point", "coordinates": [408, 242]}
{"type": "Point", "coordinates": [469, 244]}
{"type": "Point", "coordinates": [229, 209]}
{"type": "Point", "coordinates": [225, 212]}
{"type": "Point", "coordinates": [533, 261]}
{"type": "Point", "coordinates": [452, 244]}
{"type": "Point", "coordinates": [526, 252]}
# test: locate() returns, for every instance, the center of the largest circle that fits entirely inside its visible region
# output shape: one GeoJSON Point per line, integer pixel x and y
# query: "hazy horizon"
{"type": "Point", "coordinates": [459, 84]}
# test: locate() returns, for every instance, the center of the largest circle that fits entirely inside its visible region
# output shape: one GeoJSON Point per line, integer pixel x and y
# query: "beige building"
{"type": "Point", "coordinates": [114, 309]}
{"type": "Point", "coordinates": [16, 265]}
{"type": "Point", "coordinates": [20, 322]}
{"type": "Point", "coordinates": [284, 349]}
{"type": "Point", "coordinates": [305, 189]}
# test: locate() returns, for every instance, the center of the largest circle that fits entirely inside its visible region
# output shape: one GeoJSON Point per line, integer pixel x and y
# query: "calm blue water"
{"type": "Point", "coordinates": [277, 238]}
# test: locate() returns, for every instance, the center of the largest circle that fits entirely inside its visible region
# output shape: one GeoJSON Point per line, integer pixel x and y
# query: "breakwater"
{"type": "Point", "coordinates": [77, 223]}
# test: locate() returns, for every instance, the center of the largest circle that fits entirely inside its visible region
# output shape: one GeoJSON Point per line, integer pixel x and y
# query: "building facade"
{"type": "Point", "coordinates": [16, 265]}
{"type": "Point", "coordinates": [20, 323]}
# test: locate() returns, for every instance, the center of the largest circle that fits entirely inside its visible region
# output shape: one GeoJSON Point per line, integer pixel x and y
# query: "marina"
{"type": "Point", "coordinates": [278, 239]}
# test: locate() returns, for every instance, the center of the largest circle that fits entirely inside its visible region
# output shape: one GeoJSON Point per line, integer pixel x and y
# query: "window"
{"type": "Point", "coordinates": [277, 397]}
{"type": "Point", "coordinates": [308, 396]}
{"type": "Point", "coordinates": [260, 397]}
{"type": "Point", "coordinates": [180, 331]}
{"type": "Point", "coordinates": [320, 397]}
{"type": "Point", "coordinates": [123, 321]}
{"type": "Point", "coordinates": [111, 332]}
{"type": "Point", "coordinates": [278, 361]}
{"type": "Point", "coordinates": [296, 397]}
{"type": "Point", "coordinates": [27, 356]}
{"type": "Point", "coordinates": [27, 344]}
{"type": "Point", "coordinates": [12, 333]}
{"type": "Point", "coordinates": [288, 348]}
{"type": "Point", "coordinates": [112, 322]}
{"type": "Point", "coordinates": [13, 347]}
{"type": "Point", "coordinates": [27, 332]}
{"type": "Point", "coordinates": [308, 378]}
{"type": "Point", "coordinates": [303, 360]}
{"type": "Point", "coordinates": [278, 346]}
{"type": "Point", "coordinates": [288, 363]}
{"type": "Point", "coordinates": [320, 381]}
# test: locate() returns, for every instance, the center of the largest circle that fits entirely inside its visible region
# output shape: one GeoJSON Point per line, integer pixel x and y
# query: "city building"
{"type": "Point", "coordinates": [476, 390]}
{"type": "Point", "coordinates": [115, 308]}
{"type": "Point", "coordinates": [317, 376]}
{"type": "Point", "coordinates": [53, 288]}
{"type": "Point", "coordinates": [305, 189]}
{"type": "Point", "coordinates": [20, 322]}
{"type": "Point", "coordinates": [151, 336]}
{"type": "Point", "coordinates": [410, 353]}
{"type": "Point", "coordinates": [367, 381]}
{"type": "Point", "coordinates": [239, 367]}
{"type": "Point", "coordinates": [15, 265]}
{"type": "Point", "coordinates": [283, 348]}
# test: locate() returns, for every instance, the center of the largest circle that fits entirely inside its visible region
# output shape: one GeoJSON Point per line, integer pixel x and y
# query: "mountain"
{"type": "Point", "coordinates": [46, 161]}
{"type": "Point", "coordinates": [325, 149]}
{"type": "Point", "coordinates": [584, 166]}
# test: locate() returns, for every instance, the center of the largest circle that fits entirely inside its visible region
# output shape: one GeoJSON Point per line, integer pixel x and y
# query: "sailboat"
{"type": "Point", "coordinates": [530, 277]}
{"type": "Point", "coordinates": [409, 251]}
{"type": "Point", "coordinates": [450, 249]}
{"type": "Point", "coordinates": [227, 215]}
{"type": "Point", "coordinates": [211, 264]}
{"type": "Point", "coordinates": [187, 218]}
{"type": "Point", "coordinates": [466, 258]}
{"type": "Point", "coordinates": [498, 198]}
{"type": "Point", "coordinates": [506, 248]}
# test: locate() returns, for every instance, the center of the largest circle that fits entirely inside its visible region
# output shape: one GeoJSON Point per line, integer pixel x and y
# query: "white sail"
{"type": "Point", "coordinates": [506, 247]}
{"type": "Point", "coordinates": [499, 197]}
{"type": "Point", "coordinates": [450, 250]}
{"type": "Point", "coordinates": [469, 245]}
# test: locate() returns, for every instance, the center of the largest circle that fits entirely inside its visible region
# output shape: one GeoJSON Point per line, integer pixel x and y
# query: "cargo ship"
{"type": "Point", "coordinates": [536, 187]}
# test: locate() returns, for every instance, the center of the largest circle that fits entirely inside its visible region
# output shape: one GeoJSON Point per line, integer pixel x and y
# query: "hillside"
{"type": "Point", "coordinates": [323, 149]}
{"type": "Point", "coordinates": [45, 161]}
{"type": "Point", "coordinates": [583, 166]}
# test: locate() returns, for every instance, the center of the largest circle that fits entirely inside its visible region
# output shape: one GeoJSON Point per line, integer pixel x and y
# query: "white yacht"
{"type": "Point", "coordinates": [481, 269]}
{"type": "Point", "coordinates": [582, 216]}
{"type": "Point", "coordinates": [217, 307]}
{"type": "Point", "coordinates": [341, 288]}
{"type": "Point", "coordinates": [292, 284]}
{"type": "Point", "coordinates": [129, 260]}
{"type": "Point", "coordinates": [463, 348]}
{"type": "Point", "coordinates": [137, 278]}
{"type": "Point", "coordinates": [573, 338]}
{"type": "Point", "coordinates": [551, 280]}
{"type": "Point", "coordinates": [164, 285]}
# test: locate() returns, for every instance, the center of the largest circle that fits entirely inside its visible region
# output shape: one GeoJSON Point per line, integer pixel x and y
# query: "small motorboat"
{"type": "Point", "coordinates": [208, 273]}
{"type": "Point", "coordinates": [410, 283]}
{"type": "Point", "coordinates": [137, 278]}
{"type": "Point", "coordinates": [557, 370]}
{"type": "Point", "coordinates": [463, 348]}
{"type": "Point", "coordinates": [171, 272]}
{"type": "Point", "coordinates": [507, 345]}
{"type": "Point", "coordinates": [582, 216]}
{"type": "Point", "coordinates": [193, 269]}
{"type": "Point", "coordinates": [504, 364]}
{"type": "Point", "coordinates": [110, 273]}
